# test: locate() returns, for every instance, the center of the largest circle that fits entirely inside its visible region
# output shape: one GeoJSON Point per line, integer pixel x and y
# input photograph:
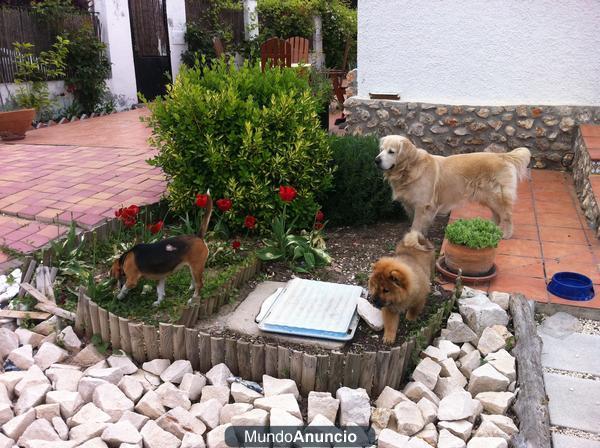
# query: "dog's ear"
{"type": "Point", "coordinates": [397, 277]}
{"type": "Point", "coordinates": [115, 269]}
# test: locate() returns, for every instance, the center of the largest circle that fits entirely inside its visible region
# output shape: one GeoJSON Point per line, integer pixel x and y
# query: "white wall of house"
{"type": "Point", "coordinates": [60, 97]}
{"type": "Point", "coordinates": [176, 28]}
{"type": "Point", "coordinates": [493, 52]}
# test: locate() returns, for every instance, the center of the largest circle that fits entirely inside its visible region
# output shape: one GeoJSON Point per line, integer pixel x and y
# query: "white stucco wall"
{"type": "Point", "coordinates": [492, 52]}
{"type": "Point", "coordinates": [176, 28]}
{"type": "Point", "coordinates": [60, 97]}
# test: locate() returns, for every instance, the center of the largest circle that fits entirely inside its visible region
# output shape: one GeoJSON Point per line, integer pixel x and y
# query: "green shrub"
{"type": "Point", "coordinates": [339, 27]}
{"type": "Point", "coordinates": [359, 195]}
{"type": "Point", "coordinates": [242, 133]}
{"type": "Point", "coordinates": [475, 233]}
{"type": "Point", "coordinates": [285, 18]}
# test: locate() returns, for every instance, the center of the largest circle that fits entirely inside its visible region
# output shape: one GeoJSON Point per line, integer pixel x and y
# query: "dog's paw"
{"type": "Point", "coordinates": [389, 340]}
{"type": "Point", "coordinates": [156, 303]}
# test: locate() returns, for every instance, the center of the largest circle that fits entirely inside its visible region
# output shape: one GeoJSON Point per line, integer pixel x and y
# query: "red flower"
{"type": "Point", "coordinates": [133, 210]}
{"type": "Point", "coordinates": [224, 204]}
{"type": "Point", "coordinates": [236, 245]}
{"type": "Point", "coordinates": [287, 194]}
{"type": "Point", "coordinates": [202, 200]}
{"type": "Point", "coordinates": [129, 222]}
{"type": "Point", "coordinates": [71, 88]}
{"type": "Point", "coordinates": [320, 216]}
{"type": "Point", "coordinates": [318, 225]}
{"type": "Point", "coordinates": [250, 222]}
{"type": "Point", "coordinates": [155, 228]}
{"type": "Point", "coordinates": [128, 215]}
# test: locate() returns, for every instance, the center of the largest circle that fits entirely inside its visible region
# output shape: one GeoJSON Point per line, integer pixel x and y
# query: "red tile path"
{"type": "Point", "coordinates": [80, 171]}
{"type": "Point", "coordinates": [550, 235]}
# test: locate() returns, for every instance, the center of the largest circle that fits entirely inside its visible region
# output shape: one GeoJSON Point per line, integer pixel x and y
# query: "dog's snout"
{"type": "Point", "coordinates": [377, 303]}
{"type": "Point", "coordinates": [378, 160]}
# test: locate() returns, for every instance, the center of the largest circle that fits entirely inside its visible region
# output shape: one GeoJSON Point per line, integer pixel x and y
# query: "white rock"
{"type": "Point", "coordinates": [450, 369]}
{"type": "Point", "coordinates": [417, 390]}
{"type": "Point", "coordinates": [9, 382]}
{"type": "Point", "coordinates": [69, 339]}
{"type": "Point", "coordinates": [49, 354]}
{"type": "Point", "coordinates": [22, 357]}
{"type": "Point", "coordinates": [427, 372]}
{"type": "Point", "coordinates": [371, 315]}
{"type": "Point", "coordinates": [428, 410]}
{"type": "Point", "coordinates": [429, 434]}
{"type": "Point", "coordinates": [489, 429]}
{"type": "Point", "coordinates": [448, 440]}
{"type": "Point", "coordinates": [38, 430]}
{"type": "Point", "coordinates": [15, 427]}
{"type": "Point", "coordinates": [174, 373]}
{"type": "Point", "coordinates": [490, 341]}
{"type": "Point", "coordinates": [504, 363]}
{"type": "Point", "coordinates": [121, 432]}
{"type": "Point", "coordinates": [208, 412]}
{"type": "Point", "coordinates": [321, 420]}
{"type": "Point", "coordinates": [417, 442]}
{"type": "Point", "coordinates": [504, 423]}
{"type": "Point", "coordinates": [28, 337]}
{"type": "Point", "coordinates": [217, 376]}
{"type": "Point", "coordinates": [137, 420]}
{"type": "Point", "coordinates": [496, 402]}
{"type": "Point", "coordinates": [391, 439]}
{"type": "Point", "coordinates": [87, 385]}
{"type": "Point", "coordinates": [487, 379]}
{"type": "Point", "coordinates": [285, 402]}
{"type": "Point", "coordinates": [156, 366]}
{"type": "Point", "coordinates": [89, 413]}
{"type": "Point", "coordinates": [9, 341]}
{"type": "Point", "coordinates": [449, 385]}
{"type": "Point", "coordinates": [64, 379]}
{"type": "Point", "coordinates": [34, 375]}
{"type": "Point", "coordinates": [460, 428]}
{"type": "Point", "coordinates": [322, 403]}
{"type": "Point", "coordinates": [4, 396]}
{"type": "Point", "coordinates": [111, 375]}
{"type": "Point", "coordinates": [6, 413]}
{"type": "Point", "coordinates": [465, 349]}
{"type": "Point", "coordinates": [122, 362]}
{"type": "Point", "coordinates": [278, 417]}
{"type": "Point", "coordinates": [96, 442]}
{"type": "Point", "coordinates": [216, 437]}
{"type": "Point", "coordinates": [132, 388]}
{"type": "Point", "coordinates": [276, 386]}
{"type": "Point", "coordinates": [502, 299]}
{"type": "Point", "coordinates": [469, 362]}
{"type": "Point", "coordinates": [191, 440]}
{"type": "Point", "coordinates": [467, 292]}
{"type": "Point", "coordinates": [30, 397]}
{"type": "Point", "coordinates": [457, 406]}
{"type": "Point", "coordinates": [47, 411]}
{"type": "Point", "coordinates": [255, 417]}
{"type": "Point", "coordinates": [409, 419]}
{"type": "Point", "coordinates": [243, 394]}
{"type": "Point", "coordinates": [111, 400]}
{"type": "Point", "coordinates": [230, 410]}
{"type": "Point", "coordinates": [381, 418]}
{"type": "Point", "coordinates": [192, 384]}
{"type": "Point", "coordinates": [60, 427]}
{"type": "Point", "coordinates": [178, 421]}
{"type": "Point", "coordinates": [434, 353]}
{"type": "Point", "coordinates": [69, 402]}
{"type": "Point", "coordinates": [5, 442]}
{"type": "Point", "coordinates": [156, 437]}
{"type": "Point", "coordinates": [388, 398]}
{"type": "Point", "coordinates": [88, 356]}
{"type": "Point", "coordinates": [487, 442]}
{"type": "Point", "coordinates": [172, 397]}
{"type": "Point", "coordinates": [457, 331]}
{"type": "Point", "coordinates": [479, 313]}
{"type": "Point", "coordinates": [146, 379]}
{"type": "Point", "coordinates": [220, 393]}
{"type": "Point", "coordinates": [150, 405]}
{"type": "Point", "coordinates": [354, 406]}
{"type": "Point", "coordinates": [449, 348]}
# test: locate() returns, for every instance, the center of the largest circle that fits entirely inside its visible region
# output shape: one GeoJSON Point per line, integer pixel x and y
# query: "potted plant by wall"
{"type": "Point", "coordinates": [471, 246]}
{"type": "Point", "coordinates": [32, 97]}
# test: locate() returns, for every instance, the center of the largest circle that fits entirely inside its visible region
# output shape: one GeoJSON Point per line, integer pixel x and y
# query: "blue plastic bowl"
{"type": "Point", "coordinates": [571, 286]}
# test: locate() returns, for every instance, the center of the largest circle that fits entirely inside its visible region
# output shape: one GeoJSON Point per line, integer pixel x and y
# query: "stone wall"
{"type": "Point", "coordinates": [548, 131]}
{"type": "Point", "coordinates": [582, 169]}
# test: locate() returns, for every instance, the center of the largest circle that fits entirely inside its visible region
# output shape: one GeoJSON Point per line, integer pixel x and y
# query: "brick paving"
{"type": "Point", "coordinates": [81, 171]}
{"type": "Point", "coordinates": [550, 235]}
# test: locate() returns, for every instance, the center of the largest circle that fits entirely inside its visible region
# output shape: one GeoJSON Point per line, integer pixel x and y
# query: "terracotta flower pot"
{"type": "Point", "coordinates": [473, 262]}
{"type": "Point", "coordinates": [15, 123]}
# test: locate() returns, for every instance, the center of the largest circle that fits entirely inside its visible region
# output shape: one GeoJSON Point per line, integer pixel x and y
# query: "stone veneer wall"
{"type": "Point", "coordinates": [548, 131]}
{"type": "Point", "coordinates": [582, 169]}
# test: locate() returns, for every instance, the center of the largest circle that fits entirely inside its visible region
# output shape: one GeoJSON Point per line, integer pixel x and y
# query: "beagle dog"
{"type": "Point", "coordinates": [156, 261]}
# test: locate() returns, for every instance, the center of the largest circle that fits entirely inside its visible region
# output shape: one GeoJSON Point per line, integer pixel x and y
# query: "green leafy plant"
{"type": "Point", "coordinates": [241, 133]}
{"type": "Point", "coordinates": [53, 10]}
{"type": "Point", "coordinates": [475, 233]}
{"type": "Point", "coordinates": [286, 18]}
{"type": "Point", "coordinates": [359, 194]}
{"type": "Point", "coordinates": [33, 71]}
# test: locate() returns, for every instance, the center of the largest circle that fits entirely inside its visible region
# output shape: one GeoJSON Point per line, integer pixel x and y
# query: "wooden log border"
{"type": "Point", "coordinates": [371, 370]}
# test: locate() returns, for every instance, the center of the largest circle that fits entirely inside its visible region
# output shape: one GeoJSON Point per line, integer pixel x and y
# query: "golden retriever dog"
{"type": "Point", "coordinates": [401, 284]}
{"type": "Point", "coordinates": [428, 185]}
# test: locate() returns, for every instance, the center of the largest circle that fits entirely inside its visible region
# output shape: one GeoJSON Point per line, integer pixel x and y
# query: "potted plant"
{"type": "Point", "coordinates": [471, 246]}
{"type": "Point", "coordinates": [32, 97]}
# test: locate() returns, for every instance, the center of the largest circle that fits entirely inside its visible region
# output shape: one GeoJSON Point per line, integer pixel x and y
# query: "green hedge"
{"type": "Point", "coordinates": [242, 133]}
{"type": "Point", "coordinates": [359, 195]}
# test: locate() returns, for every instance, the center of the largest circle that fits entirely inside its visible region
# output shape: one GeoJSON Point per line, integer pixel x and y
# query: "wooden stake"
{"type": "Point", "coordinates": [352, 370]}
{"type": "Point", "coordinates": [104, 324]}
{"type": "Point", "coordinates": [124, 335]}
{"type": "Point", "coordinates": [283, 362]}
{"type": "Point", "coordinates": [243, 357]}
{"type": "Point", "coordinates": [257, 361]}
{"type": "Point", "coordinates": [178, 342]}
{"type": "Point", "coordinates": [309, 373]}
{"type": "Point", "coordinates": [204, 351]}
{"type": "Point", "coordinates": [321, 378]}
{"type": "Point", "coordinates": [367, 371]}
{"type": "Point", "coordinates": [336, 371]}
{"type": "Point", "coordinates": [271, 360]}
{"type": "Point", "coordinates": [115, 331]}
{"type": "Point", "coordinates": [191, 347]}
{"type": "Point", "coordinates": [136, 333]}
{"type": "Point", "coordinates": [95, 319]}
{"type": "Point", "coordinates": [296, 366]}
{"type": "Point", "coordinates": [382, 361]}
{"type": "Point", "coordinates": [166, 340]}
{"type": "Point", "coordinates": [151, 342]}
{"type": "Point", "coordinates": [231, 355]}
{"type": "Point", "coordinates": [217, 350]}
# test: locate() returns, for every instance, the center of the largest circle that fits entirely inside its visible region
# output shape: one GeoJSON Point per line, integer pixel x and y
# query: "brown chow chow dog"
{"type": "Point", "coordinates": [402, 283]}
{"type": "Point", "coordinates": [428, 185]}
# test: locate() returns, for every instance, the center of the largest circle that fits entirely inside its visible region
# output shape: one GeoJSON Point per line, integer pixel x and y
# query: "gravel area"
{"type": "Point", "coordinates": [575, 433]}
{"type": "Point", "coordinates": [590, 326]}
{"type": "Point", "coordinates": [585, 376]}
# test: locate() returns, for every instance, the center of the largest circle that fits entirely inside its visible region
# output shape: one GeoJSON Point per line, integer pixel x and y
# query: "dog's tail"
{"type": "Point", "coordinates": [416, 240]}
{"type": "Point", "coordinates": [206, 217]}
{"type": "Point", "coordinates": [520, 158]}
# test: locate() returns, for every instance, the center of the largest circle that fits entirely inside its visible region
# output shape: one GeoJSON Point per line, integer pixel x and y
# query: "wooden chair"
{"type": "Point", "coordinates": [338, 77]}
{"type": "Point", "coordinates": [300, 47]}
{"type": "Point", "coordinates": [218, 46]}
{"type": "Point", "coordinates": [275, 52]}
